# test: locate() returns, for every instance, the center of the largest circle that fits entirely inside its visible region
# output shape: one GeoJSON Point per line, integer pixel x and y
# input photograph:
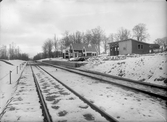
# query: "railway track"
{"type": "Point", "coordinates": [143, 87]}
{"type": "Point", "coordinates": [52, 91]}
{"type": "Point", "coordinates": [44, 108]}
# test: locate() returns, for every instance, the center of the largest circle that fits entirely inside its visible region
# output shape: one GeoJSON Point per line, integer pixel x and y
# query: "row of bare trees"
{"type": "Point", "coordinates": [95, 36]}
{"type": "Point", "coordinates": [12, 52]}
{"type": "Point", "coordinates": [56, 46]}
{"type": "Point", "coordinates": [3, 52]}
{"type": "Point", "coordinates": [162, 42]}
{"type": "Point", "coordinates": [139, 33]}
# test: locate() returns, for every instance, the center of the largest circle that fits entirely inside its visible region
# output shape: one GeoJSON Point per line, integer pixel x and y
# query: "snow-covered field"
{"type": "Point", "coordinates": [7, 89]}
{"type": "Point", "coordinates": [145, 68]}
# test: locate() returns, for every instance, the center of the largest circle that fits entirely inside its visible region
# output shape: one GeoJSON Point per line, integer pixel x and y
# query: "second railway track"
{"type": "Point", "coordinates": [146, 88]}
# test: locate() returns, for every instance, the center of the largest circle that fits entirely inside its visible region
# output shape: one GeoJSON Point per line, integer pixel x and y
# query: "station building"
{"type": "Point", "coordinates": [79, 50]}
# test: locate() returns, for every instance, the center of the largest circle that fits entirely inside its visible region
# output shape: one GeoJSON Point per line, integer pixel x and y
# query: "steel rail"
{"type": "Point", "coordinates": [46, 114]}
{"type": "Point", "coordinates": [125, 79]}
{"type": "Point", "coordinates": [115, 77]}
{"type": "Point", "coordinates": [164, 97]}
{"type": "Point", "coordinates": [96, 108]}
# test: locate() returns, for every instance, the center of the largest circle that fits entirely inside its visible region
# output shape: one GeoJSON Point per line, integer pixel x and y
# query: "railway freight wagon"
{"type": "Point", "coordinates": [65, 63]}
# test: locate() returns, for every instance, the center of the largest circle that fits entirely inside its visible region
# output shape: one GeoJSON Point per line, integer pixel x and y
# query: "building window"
{"type": "Point", "coordinates": [76, 54]}
{"type": "Point", "coordinates": [140, 46]}
{"type": "Point", "coordinates": [66, 52]}
{"type": "Point", "coordinates": [71, 51]}
{"type": "Point", "coordinates": [79, 54]}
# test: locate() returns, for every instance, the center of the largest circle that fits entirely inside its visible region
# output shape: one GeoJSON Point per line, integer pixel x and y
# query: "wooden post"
{"type": "Point", "coordinates": [10, 76]}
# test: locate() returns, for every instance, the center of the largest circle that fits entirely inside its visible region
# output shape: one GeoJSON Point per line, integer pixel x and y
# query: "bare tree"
{"type": "Point", "coordinates": [66, 40]}
{"type": "Point", "coordinates": [3, 52]}
{"type": "Point", "coordinates": [122, 34]}
{"type": "Point", "coordinates": [50, 47]}
{"type": "Point", "coordinates": [97, 37]}
{"type": "Point", "coordinates": [61, 45]}
{"type": "Point", "coordinates": [55, 43]}
{"type": "Point", "coordinates": [162, 42]}
{"type": "Point", "coordinates": [11, 51]}
{"type": "Point", "coordinates": [45, 51]}
{"type": "Point", "coordinates": [87, 37]}
{"type": "Point", "coordinates": [47, 48]}
{"type": "Point", "coordinates": [111, 38]}
{"type": "Point", "coordinates": [105, 41]}
{"type": "Point", "coordinates": [140, 32]}
{"type": "Point", "coordinates": [76, 37]}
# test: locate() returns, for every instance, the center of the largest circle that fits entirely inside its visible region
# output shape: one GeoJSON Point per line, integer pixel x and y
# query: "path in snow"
{"type": "Point", "coordinates": [24, 105]}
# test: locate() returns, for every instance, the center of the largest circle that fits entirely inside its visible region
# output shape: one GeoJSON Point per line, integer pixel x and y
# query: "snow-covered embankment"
{"type": "Point", "coordinates": [7, 89]}
{"type": "Point", "coordinates": [150, 68]}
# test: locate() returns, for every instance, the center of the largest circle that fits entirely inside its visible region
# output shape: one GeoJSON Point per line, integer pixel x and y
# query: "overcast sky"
{"type": "Point", "coordinates": [28, 23]}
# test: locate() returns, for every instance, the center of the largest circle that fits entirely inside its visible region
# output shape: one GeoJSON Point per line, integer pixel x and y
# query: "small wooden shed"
{"type": "Point", "coordinates": [130, 46]}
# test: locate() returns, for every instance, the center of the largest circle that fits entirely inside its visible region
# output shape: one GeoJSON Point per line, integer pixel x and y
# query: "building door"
{"type": "Point", "coordinates": [112, 51]}
{"type": "Point", "coordinates": [76, 54]}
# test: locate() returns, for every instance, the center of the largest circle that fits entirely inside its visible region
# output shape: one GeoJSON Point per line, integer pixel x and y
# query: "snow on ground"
{"type": "Point", "coordinates": [122, 104]}
{"type": "Point", "coordinates": [24, 104]}
{"type": "Point", "coordinates": [147, 68]}
{"type": "Point", "coordinates": [7, 89]}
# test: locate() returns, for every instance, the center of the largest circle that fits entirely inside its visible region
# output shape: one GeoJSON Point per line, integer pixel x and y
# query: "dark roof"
{"type": "Point", "coordinates": [77, 46]}
{"type": "Point", "coordinates": [154, 46]}
{"type": "Point", "coordinates": [114, 43]}
{"type": "Point", "coordinates": [128, 40]}
{"type": "Point", "coordinates": [88, 47]}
